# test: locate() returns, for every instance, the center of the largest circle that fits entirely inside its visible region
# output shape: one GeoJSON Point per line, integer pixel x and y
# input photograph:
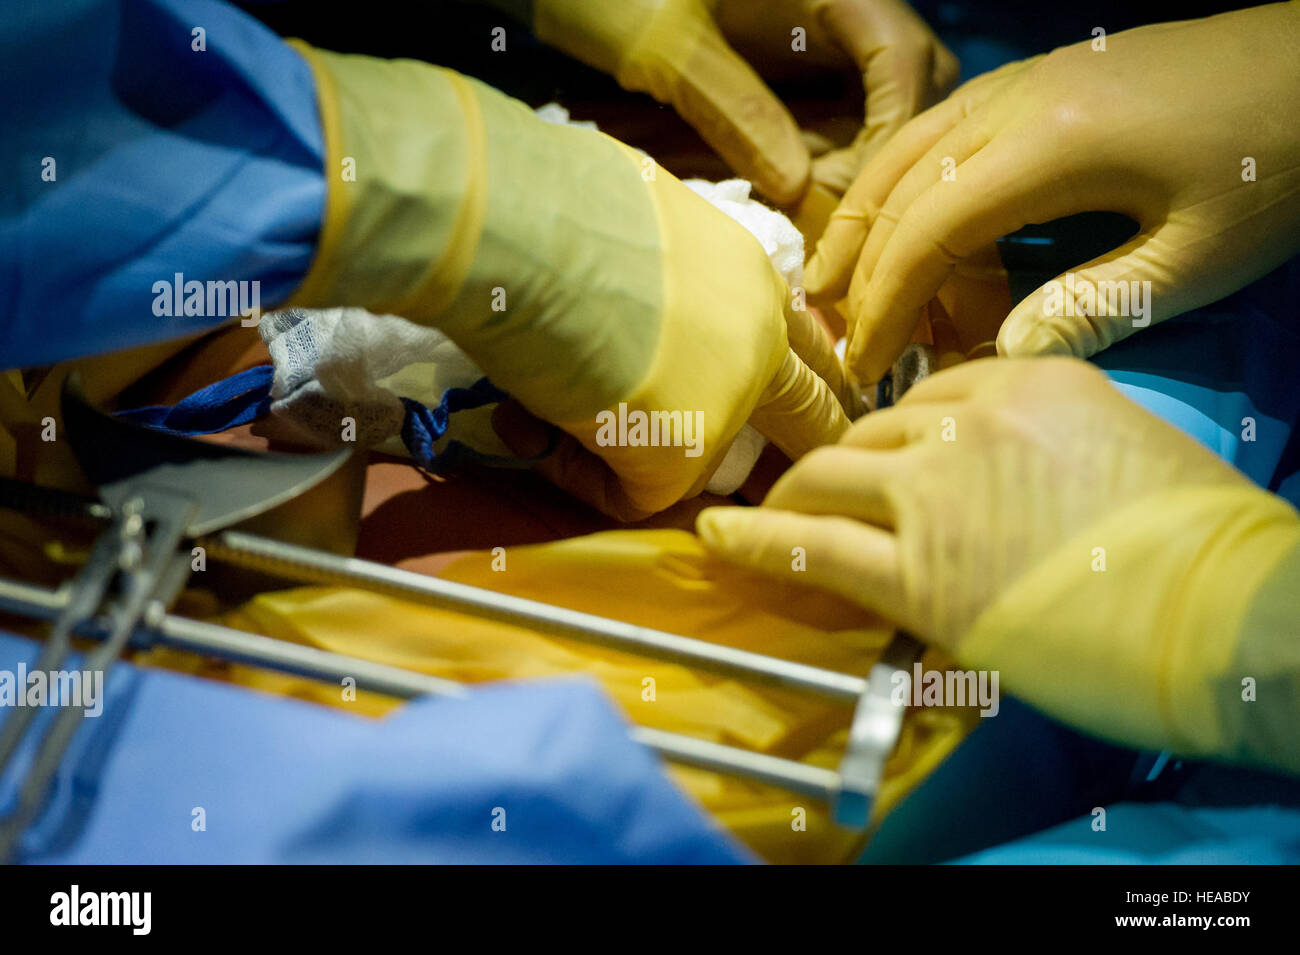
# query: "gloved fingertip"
{"type": "Point", "coordinates": [834, 172]}
{"type": "Point", "coordinates": [786, 179]}
{"type": "Point", "coordinates": [814, 274]}
{"type": "Point", "coordinates": [835, 258]}
{"type": "Point", "coordinates": [718, 526]}
{"type": "Point", "coordinates": [861, 368]}
{"type": "Point", "coordinates": [812, 216]}
{"type": "Point", "coordinates": [719, 94]}
{"type": "Point", "coordinates": [1023, 336]}
{"type": "Point", "coordinates": [825, 276]}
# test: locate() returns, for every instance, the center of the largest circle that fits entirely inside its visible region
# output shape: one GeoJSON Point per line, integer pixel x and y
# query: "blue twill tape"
{"type": "Point", "coordinates": [236, 400]}
{"type": "Point", "coordinates": [246, 397]}
{"type": "Point", "coordinates": [423, 426]}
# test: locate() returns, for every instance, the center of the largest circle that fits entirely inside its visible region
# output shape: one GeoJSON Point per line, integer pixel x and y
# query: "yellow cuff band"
{"type": "Point", "coordinates": [1133, 629]}
{"type": "Point", "coordinates": [404, 142]}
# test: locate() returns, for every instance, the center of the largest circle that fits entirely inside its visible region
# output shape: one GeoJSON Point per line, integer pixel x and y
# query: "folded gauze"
{"type": "Point", "coordinates": [340, 365]}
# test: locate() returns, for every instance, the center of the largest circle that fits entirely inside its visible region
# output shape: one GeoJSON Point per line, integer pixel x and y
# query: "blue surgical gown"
{"type": "Point", "coordinates": [144, 139]}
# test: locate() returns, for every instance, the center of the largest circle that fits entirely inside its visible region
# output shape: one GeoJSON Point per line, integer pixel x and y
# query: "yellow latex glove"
{"type": "Point", "coordinates": [1188, 128]}
{"type": "Point", "coordinates": [581, 278]}
{"type": "Point", "coordinates": [1026, 517]}
{"type": "Point", "coordinates": [680, 52]}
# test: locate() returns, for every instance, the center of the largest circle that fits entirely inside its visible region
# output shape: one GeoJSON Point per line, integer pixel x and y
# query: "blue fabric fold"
{"type": "Point", "coordinates": [179, 769]}
{"type": "Point", "coordinates": [140, 150]}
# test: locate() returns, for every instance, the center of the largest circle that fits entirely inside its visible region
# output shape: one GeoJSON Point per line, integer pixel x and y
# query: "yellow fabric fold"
{"type": "Point", "coordinates": [658, 578]}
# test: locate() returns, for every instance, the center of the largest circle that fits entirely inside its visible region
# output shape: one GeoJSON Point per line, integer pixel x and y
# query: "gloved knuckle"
{"type": "Point", "coordinates": [947, 69]}
{"type": "Point", "coordinates": [1066, 121]}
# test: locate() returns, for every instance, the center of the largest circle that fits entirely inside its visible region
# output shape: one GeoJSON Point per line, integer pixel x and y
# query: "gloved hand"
{"type": "Point", "coordinates": [1185, 127]}
{"type": "Point", "coordinates": [1026, 517]}
{"type": "Point", "coordinates": [679, 52]}
{"type": "Point", "coordinates": [580, 277]}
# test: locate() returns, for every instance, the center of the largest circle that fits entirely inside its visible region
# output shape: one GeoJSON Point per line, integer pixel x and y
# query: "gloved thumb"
{"type": "Point", "coordinates": [855, 560]}
{"type": "Point", "coordinates": [717, 92]}
{"type": "Point", "coordinates": [1082, 312]}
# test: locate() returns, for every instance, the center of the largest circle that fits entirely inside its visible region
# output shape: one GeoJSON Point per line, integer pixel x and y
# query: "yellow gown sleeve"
{"type": "Point", "coordinates": [1174, 623]}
